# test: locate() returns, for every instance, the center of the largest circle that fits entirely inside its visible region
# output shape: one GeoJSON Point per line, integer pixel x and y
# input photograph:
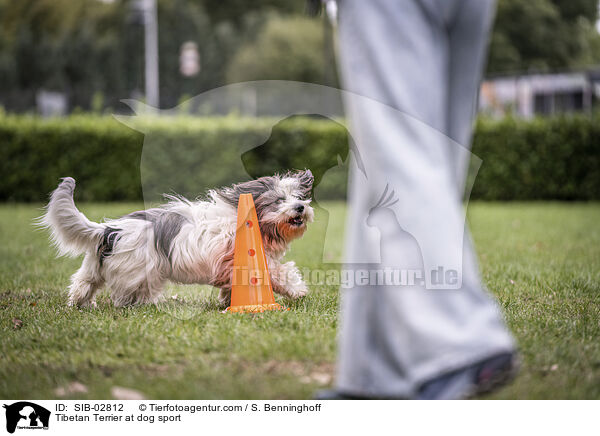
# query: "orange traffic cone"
{"type": "Point", "coordinates": [251, 289]}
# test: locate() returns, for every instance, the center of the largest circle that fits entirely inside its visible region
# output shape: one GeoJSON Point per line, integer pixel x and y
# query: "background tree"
{"type": "Point", "coordinates": [285, 49]}
{"type": "Point", "coordinates": [92, 50]}
{"type": "Point", "coordinates": [544, 35]}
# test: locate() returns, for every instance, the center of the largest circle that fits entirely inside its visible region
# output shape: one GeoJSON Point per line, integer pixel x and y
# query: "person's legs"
{"type": "Point", "coordinates": [468, 40]}
{"type": "Point", "coordinates": [373, 37]}
{"type": "Point", "coordinates": [394, 338]}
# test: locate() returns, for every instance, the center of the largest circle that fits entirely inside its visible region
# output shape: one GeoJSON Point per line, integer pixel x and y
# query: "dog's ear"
{"type": "Point", "coordinates": [305, 179]}
{"type": "Point", "coordinates": [255, 187]}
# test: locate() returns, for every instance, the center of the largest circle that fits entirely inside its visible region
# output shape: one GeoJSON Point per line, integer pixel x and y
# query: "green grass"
{"type": "Point", "coordinates": [541, 260]}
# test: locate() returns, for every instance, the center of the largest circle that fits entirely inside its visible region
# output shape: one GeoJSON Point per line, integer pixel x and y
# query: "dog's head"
{"type": "Point", "coordinates": [282, 205]}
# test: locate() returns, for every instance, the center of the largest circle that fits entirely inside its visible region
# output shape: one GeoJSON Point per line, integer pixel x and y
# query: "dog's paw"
{"type": "Point", "coordinates": [91, 304]}
{"type": "Point", "coordinates": [298, 291]}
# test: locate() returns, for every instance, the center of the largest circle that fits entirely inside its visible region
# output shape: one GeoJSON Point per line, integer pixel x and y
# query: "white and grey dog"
{"type": "Point", "coordinates": [182, 241]}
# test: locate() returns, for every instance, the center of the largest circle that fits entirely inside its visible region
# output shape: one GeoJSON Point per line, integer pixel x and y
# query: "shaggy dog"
{"type": "Point", "coordinates": [182, 241]}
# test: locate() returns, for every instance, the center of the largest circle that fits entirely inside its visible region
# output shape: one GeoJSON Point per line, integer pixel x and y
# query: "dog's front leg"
{"type": "Point", "coordinates": [286, 279]}
{"type": "Point", "coordinates": [225, 297]}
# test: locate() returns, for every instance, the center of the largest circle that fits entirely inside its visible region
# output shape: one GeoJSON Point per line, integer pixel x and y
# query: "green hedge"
{"type": "Point", "coordinates": [555, 158]}
{"type": "Point", "coordinates": [541, 159]}
{"type": "Point", "coordinates": [102, 156]}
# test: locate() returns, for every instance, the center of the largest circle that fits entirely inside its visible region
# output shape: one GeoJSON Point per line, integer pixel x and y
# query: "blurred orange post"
{"type": "Point", "coordinates": [251, 289]}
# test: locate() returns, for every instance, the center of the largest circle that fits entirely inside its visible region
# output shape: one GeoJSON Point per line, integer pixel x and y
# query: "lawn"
{"type": "Point", "coordinates": [541, 260]}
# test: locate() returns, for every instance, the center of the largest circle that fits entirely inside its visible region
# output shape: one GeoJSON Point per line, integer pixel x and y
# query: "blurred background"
{"type": "Point", "coordinates": [64, 56]}
{"type": "Point", "coordinates": [89, 54]}
{"type": "Point", "coordinates": [65, 66]}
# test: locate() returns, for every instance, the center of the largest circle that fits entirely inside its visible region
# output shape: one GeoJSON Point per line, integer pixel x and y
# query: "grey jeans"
{"type": "Point", "coordinates": [421, 60]}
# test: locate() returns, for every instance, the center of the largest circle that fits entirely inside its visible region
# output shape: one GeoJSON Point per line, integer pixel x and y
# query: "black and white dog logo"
{"type": "Point", "coordinates": [26, 415]}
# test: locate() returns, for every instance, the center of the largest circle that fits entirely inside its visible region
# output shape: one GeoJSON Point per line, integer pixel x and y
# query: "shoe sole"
{"type": "Point", "coordinates": [499, 380]}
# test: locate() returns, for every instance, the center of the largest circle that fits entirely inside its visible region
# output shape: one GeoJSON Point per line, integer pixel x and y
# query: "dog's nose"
{"type": "Point", "coordinates": [299, 208]}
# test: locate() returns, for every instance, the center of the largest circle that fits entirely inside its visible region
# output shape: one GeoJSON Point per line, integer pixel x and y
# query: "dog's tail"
{"type": "Point", "coordinates": [72, 232]}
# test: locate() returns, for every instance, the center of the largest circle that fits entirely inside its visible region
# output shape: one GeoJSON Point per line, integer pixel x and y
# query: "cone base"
{"type": "Point", "coordinates": [255, 308]}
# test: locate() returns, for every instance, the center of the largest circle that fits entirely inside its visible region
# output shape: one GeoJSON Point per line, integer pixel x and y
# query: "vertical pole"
{"type": "Point", "coordinates": [151, 53]}
{"type": "Point", "coordinates": [326, 52]}
{"type": "Point", "coordinates": [329, 24]}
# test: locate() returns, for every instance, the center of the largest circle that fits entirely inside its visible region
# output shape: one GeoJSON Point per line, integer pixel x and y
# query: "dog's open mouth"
{"type": "Point", "coordinates": [296, 221]}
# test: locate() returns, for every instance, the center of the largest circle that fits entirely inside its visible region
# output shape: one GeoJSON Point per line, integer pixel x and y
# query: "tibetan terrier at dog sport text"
{"type": "Point", "coordinates": [182, 241]}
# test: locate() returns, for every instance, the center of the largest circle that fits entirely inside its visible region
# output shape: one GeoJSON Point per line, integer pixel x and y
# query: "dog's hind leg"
{"type": "Point", "coordinates": [85, 282]}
